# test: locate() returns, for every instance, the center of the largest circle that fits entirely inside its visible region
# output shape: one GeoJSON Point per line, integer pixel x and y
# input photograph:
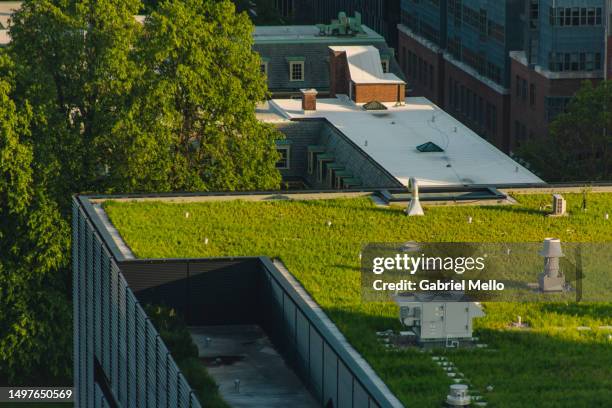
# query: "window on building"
{"type": "Point", "coordinates": [296, 71]}
{"type": "Point", "coordinates": [263, 67]}
{"type": "Point", "coordinates": [385, 65]}
{"type": "Point", "coordinates": [468, 104]}
{"type": "Point", "coordinates": [598, 16]}
{"type": "Point", "coordinates": [456, 95]}
{"type": "Point", "coordinates": [574, 62]}
{"type": "Point", "coordinates": [597, 61]}
{"type": "Point", "coordinates": [575, 16]}
{"type": "Point", "coordinates": [532, 94]}
{"type": "Point", "coordinates": [283, 162]}
{"type": "Point", "coordinates": [431, 77]}
{"type": "Point", "coordinates": [520, 133]}
{"type": "Point", "coordinates": [591, 16]}
{"type": "Point", "coordinates": [534, 13]}
{"type": "Point", "coordinates": [518, 85]}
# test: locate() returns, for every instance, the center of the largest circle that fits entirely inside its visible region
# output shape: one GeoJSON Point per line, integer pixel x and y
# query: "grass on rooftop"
{"type": "Point", "coordinates": [550, 365]}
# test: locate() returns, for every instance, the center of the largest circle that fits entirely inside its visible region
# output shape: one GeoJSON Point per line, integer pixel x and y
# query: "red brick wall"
{"type": "Point", "coordinates": [364, 93]}
{"type": "Point", "coordinates": [417, 86]}
{"type": "Point", "coordinates": [609, 55]}
{"type": "Point", "coordinates": [338, 75]}
{"type": "Point", "coordinates": [499, 136]}
{"type": "Point", "coordinates": [533, 117]}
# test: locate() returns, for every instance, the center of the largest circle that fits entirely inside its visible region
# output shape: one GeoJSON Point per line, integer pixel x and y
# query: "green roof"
{"type": "Point", "coordinates": [572, 364]}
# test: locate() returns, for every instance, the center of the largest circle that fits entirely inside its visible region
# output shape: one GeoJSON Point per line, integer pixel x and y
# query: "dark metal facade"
{"type": "Point", "coordinates": [119, 358]}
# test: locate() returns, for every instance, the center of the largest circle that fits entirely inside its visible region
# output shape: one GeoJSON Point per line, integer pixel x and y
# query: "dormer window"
{"type": "Point", "coordinates": [385, 65]}
{"type": "Point", "coordinates": [296, 70]}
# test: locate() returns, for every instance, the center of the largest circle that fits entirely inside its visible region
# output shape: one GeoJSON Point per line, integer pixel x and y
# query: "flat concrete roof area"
{"type": "Point", "coordinates": [391, 137]}
{"type": "Point", "coordinates": [245, 353]}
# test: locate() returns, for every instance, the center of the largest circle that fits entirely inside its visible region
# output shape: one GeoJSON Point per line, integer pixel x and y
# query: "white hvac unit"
{"type": "Point", "coordinates": [559, 206]}
{"type": "Point", "coordinates": [438, 318]}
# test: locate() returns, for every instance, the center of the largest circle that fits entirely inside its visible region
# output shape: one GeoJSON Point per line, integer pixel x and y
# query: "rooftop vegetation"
{"type": "Point", "coordinates": [552, 364]}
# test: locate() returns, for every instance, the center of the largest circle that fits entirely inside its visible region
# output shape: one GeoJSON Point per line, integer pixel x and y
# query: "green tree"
{"type": "Point", "coordinates": [35, 334]}
{"type": "Point", "coordinates": [75, 67]}
{"type": "Point", "coordinates": [196, 101]}
{"type": "Point", "coordinates": [579, 147]}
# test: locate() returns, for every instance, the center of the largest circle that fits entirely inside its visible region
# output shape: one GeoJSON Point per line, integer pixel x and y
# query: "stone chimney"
{"type": "Point", "coordinates": [309, 99]}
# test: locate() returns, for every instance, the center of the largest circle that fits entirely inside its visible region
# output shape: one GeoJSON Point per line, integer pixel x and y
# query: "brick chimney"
{"type": "Point", "coordinates": [309, 99]}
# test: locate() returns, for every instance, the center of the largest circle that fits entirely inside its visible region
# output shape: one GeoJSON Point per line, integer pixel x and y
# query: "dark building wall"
{"type": "Point", "coordinates": [482, 108]}
{"type": "Point", "coordinates": [339, 74]}
{"type": "Point", "coordinates": [537, 100]}
{"type": "Point", "coordinates": [302, 133]}
{"type": "Point", "coordinates": [423, 68]}
{"type": "Point", "coordinates": [119, 358]}
{"type": "Point", "coordinates": [512, 25]}
{"type": "Point", "coordinates": [609, 54]}
{"type": "Point", "coordinates": [299, 136]}
{"type": "Point", "coordinates": [355, 160]}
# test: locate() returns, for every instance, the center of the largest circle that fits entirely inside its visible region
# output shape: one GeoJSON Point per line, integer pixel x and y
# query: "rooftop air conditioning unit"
{"type": "Point", "coordinates": [559, 206]}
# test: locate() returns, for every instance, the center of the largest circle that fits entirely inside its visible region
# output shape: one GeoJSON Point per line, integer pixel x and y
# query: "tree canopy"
{"type": "Point", "coordinates": [35, 319]}
{"type": "Point", "coordinates": [118, 107]}
{"type": "Point", "coordinates": [93, 101]}
{"type": "Point", "coordinates": [579, 147]}
{"type": "Point", "coordinates": [197, 96]}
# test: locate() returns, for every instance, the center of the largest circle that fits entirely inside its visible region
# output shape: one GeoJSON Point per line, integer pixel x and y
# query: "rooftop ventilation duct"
{"type": "Point", "coordinates": [414, 209]}
{"type": "Point", "coordinates": [374, 106]}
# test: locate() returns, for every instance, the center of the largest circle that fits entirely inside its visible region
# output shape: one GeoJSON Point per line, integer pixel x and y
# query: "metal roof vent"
{"type": "Point", "coordinates": [374, 106]}
{"type": "Point", "coordinates": [458, 396]}
{"type": "Point", "coordinates": [414, 209]}
{"type": "Point", "coordinates": [429, 147]}
{"type": "Point", "coordinates": [552, 279]}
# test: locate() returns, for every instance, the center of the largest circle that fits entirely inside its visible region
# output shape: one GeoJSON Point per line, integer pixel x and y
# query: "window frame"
{"type": "Point", "coordinates": [384, 62]}
{"type": "Point", "coordinates": [296, 63]}
{"type": "Point", "coordinates": [287, 158]}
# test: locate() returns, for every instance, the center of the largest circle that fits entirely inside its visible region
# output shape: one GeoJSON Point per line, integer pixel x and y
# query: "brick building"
{"type": "Point", "coordinates": [564, 46]}
{"type": "Point", "coordinates": [368, 135]}
{"type": "Point", "coordinates": [456, 54]}
{"type": "Point", "coordinates": [506, 68]}
{"type": "Point", "coordinates": [608, 61]}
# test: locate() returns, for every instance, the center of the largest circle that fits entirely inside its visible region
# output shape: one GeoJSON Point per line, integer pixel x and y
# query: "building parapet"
{"type": "Point", "coordinates": [521, 58]}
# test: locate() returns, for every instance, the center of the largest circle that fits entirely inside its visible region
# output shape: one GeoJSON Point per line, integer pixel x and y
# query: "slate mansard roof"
{"type": "Point", "coordinates": [277, 46]}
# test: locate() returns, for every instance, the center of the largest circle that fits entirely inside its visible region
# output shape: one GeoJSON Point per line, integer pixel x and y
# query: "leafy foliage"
{"type": "Point", "coordinates": [122, 107]}
{"type": "Point", "coordinates": [35, 320]}
{"type": "Point", "coordinates": [579, 147]}
{"type": "Point", "coordinates": [92, 101]}
{"type": "Point", "coordinates": [550, 365]}
{"type": "Point", "coordinates": [175, 335]}
{"type": "Point", "coordinates": [198, 92]}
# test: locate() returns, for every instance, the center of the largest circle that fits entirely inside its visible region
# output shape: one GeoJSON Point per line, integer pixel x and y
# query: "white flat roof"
{"type": "Point", "coordinates": [9, 7]}
{"type": "Point", "coordinates": [5, 38]}
{"type": "Point", "coordinates": [365, 65]}
{"type": "Point", "coordinates": [390, 138]}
